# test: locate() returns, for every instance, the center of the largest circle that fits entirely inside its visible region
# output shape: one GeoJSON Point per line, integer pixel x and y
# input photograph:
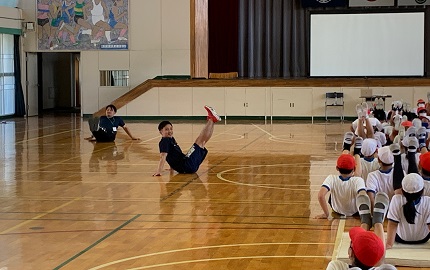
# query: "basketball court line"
{"type": "Point", "coordinates": [210, 247]}
{"type": "Point", "coordinates": [97, 242]}
{"type": "Point", "coordinates": [221, 259]}
{"type": "Point", "coordinates": [46, 136]}
{"type": "Point", "coordinates": [38, 216]}
{"type": "Point", "coordinates": [219, 175]}
{"type": "Point", "coordinates": [288, 140]}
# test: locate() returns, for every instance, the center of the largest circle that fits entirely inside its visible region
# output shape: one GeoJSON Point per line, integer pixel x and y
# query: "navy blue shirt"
{"type": "Point", "coordinates": [110, 125]}
{"type": "Point", "coordinates": [175, 158]}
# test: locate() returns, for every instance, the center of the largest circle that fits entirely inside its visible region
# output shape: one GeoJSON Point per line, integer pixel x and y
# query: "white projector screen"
{"type": "Point", "coordinates": [371, 44]}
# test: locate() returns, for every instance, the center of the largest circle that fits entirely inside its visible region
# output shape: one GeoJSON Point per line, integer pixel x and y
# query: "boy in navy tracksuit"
{"type": "Point", "coordinates": [171, 153]}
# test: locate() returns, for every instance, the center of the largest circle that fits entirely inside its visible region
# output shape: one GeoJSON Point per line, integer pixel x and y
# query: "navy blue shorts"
{"type": "Point", "coordinates": [194, 158]}
{"type": "Point", "coordinates": [102, 136]}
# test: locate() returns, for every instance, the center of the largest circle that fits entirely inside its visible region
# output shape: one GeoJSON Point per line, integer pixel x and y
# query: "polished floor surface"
{"type": "Point", "coordinates": [67, 203]}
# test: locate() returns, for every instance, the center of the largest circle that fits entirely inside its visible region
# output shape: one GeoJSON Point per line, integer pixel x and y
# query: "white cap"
{"type": "Point", "coordinates": [385, 155]}
{"type": "Point", "coordinates": [412, 183]}
{"type": "Point", "coordinates": [387, 267]}
{"type": "Point", "coordinates": [380, 137]}
{"type": "Point", "coordinates": [368, 147]}
{"type": "Point", "coordinates": [410, 132]}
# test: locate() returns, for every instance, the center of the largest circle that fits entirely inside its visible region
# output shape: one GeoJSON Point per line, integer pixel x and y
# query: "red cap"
{"type": "Point", "coordinates": [425, 161]}
{"type": "Point", "coordinates": [407, 124]}
{"type": "Point", "coordinates": [368, 248]}
{"type": "Point", "coordinates": [420, 101]}
{"type": "Point", "coordinates": [421, 109]}
{"type": "Point", "coordinates": [346, 161]}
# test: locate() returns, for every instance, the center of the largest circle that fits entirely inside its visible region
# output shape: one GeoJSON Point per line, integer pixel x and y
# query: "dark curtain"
{"type": "Point", "coordinates": [19, 95]}
{"type": "Point", "coordinates": [273, 39]}
{"type": "Point", "coordinates": [223, 17]}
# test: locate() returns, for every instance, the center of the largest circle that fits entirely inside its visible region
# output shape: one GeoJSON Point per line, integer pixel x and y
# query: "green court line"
{"type": "Point", "coordinates": [97, 242]}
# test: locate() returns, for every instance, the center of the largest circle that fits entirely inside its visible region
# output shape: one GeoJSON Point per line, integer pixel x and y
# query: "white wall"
{"type": "Point", "coordinates": [159, 44]}
{"type": "Point", "coordinates": [267, 101]}
{"type": "Point", "coordinates": [10, 17]}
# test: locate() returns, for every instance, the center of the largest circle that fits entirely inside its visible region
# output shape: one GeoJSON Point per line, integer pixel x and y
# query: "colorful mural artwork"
{"type": "Point", "coordinates": [82, 24]}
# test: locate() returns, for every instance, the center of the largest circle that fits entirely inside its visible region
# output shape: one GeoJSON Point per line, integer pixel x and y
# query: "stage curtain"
{"type": "Point", "coordinates": [273, 39]}
{"type": "Point", "coordinates": [19, 95]}
{"type": "Point", "coordinates": [223, 16]}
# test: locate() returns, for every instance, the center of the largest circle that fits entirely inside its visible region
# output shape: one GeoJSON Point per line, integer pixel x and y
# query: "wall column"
{"type": "Point", "coordinates": [199, 38]}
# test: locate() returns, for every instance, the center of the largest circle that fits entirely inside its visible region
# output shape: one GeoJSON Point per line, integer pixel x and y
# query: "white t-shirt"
{"type": "Point", "coordinates": [368, 167]}
{"type": "Point", "coordinates": [426, 188]}
{"type": "Point", "coordinates": [378, 181]}
{"type": "Point", "coordinates": [406, 231]}
{"type": "Point", "coordinates": [338, 265]}
{"type": "Point", "coordinates": [343, 193]}
{"type": "Point", "coordinates": [405, 161]}
{"type": "Point", "coordinates": [373, 121]}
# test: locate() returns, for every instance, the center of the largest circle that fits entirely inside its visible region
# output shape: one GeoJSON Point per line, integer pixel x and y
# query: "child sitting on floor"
{"type": "Point", "coordinates": [409, 213]}
{"type": "Point", "coordinates": [343, 188]}
{"type": "Point", "coordinates": [367, 248]}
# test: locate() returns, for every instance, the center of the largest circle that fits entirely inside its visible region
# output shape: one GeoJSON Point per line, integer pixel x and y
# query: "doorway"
{"type": "Point", "coordinates": [58, 80]}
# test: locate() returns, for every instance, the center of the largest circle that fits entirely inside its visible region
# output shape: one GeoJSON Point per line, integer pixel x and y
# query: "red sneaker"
{"type": "Point", "coordinates": [212, 114]}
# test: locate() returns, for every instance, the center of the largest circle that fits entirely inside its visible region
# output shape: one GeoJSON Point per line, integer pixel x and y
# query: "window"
{"type": "Point", "coordinates": [7, 78]}
{"type": "Point", "coordinates": [113, 77]}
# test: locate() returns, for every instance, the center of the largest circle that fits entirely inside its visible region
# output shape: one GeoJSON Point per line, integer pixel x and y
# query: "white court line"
{"type": "Point", "coordinates": [148, 140]}
{"type": "Point", "coordinates": [38, 216]}
{"type": "Point", "coordinates": [280, 139]}
{"type": "Point", "coordinates": [50, 135]}
{"type": "Point", "coordinates": [263, 130]}
{"type": "Point", "coordinates": [219, 175]}
{"type": "Point", "coordinates": [221, 259]}
{"type": "Point", "coordinates": [210, 247]}
{"type": "Point", "coordinates": [227, 132]}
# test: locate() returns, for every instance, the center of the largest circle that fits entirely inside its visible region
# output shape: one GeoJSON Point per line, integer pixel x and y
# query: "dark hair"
{"type": "Point", "coordinates": [389, 115]}
{"type": "Point", "coordinates": [359, 264]}
{"type": "Point", "coordinates": [409, 207]}
{"type": "Point", "coordinates": [111, 106]}
{"type": "Point", "coordinates": [163, 124]}
{"type": "Point", "coordinates": [385, 164]}
{"type": "Point", "coordinates": [411, 116]}
{"type": "Point", "coordinates": [380, 115]}
{"type": "Point", "coordinates": [424, 172]}
{"type": "Point", "coordinates": [344, 171]}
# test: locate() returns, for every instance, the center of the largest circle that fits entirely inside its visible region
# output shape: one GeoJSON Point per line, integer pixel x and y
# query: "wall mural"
{"type": "Point", "coordinates": [82, 24]}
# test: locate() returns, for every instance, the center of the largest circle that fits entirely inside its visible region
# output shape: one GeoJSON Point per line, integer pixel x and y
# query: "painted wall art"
{"type": "Point", "coordinates": [77, 25]}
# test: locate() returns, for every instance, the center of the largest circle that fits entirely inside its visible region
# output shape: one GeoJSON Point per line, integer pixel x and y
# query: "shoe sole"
{"type": "Point", "coordinates": [213, 113]}
{"type": "Point", "coordinates": [348, 137]}
{"type": "Point", "coordinates": [380, 198]}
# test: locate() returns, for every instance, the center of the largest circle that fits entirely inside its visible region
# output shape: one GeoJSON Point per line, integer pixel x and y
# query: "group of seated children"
{"type": "Point", "coordinates": [382, 176]}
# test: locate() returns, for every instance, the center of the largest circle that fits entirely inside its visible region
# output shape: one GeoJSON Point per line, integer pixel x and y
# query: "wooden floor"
{"type": "Point", "coordinates": [67, 203]}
